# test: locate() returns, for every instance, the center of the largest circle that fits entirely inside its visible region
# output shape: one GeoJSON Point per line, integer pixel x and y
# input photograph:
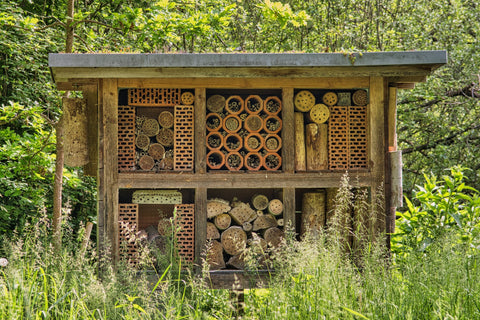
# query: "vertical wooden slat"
{"type": "Point", "coordinates": [288, 131]}
{"type": "Point", "coordinates": [101, 213]}
{"type": "Point", "coordinates": [289, 207]}
{"type": "Point", "coordinates": [90, 93]}
{"type": "Point", "coordinates": [110, 160]}
{"type": "Point", "coordinates": [200, 224]}
{"type": "Point", "coordinates": [395, 192]}
{"type": "Point", "coordinates": [392, 119]}
{"type": "Point", "coordinates": [378, 90]}
{"type": "Point", "coordinates": [200, 113]}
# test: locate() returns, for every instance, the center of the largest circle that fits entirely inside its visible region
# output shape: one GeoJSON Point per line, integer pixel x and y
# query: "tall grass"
{"type": "Point", "coordinates": [316, 278]}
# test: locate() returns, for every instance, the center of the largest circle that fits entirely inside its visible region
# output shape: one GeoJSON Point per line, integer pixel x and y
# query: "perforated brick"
{"type": "Point", "coordinates": [338, 138]}
{"type": "Point", "coordinates": [126, 138]}
{"type": "Point", "coordinates": [185, 235]}
{"type": "Point", "coordinates": [357, 137]}
{"type": "Point", "coordinates": [157, 97]}
{"type": "Point", "coordinates": [128, 222]}
{"type": "Point", "coordinates": [183, 145]}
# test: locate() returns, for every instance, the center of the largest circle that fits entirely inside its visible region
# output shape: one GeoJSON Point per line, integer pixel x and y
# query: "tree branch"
{"type": "Point", "coordinates": [445, 141]}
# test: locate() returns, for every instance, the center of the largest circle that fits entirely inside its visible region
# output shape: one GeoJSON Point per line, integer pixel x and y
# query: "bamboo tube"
{"type": "Point", "coordinates": [316, 146]}
{"type": "Point", "coordinates": [234, 105]}
{"type": "Point", "coordinates": [214, 140]}
{"type": "Point", "coordinates": [273, 142]}
{"type": "Point", "coordinates": [232, 123]}
{"type": "Point", "coordinates": [272, 105]}
{"type": "Point", "coordinates": [166, 119]}
{"type": "Point", "coordinates": [215, 159]}
{"type": "Point", "coordinates": [272, 161]}
{"type": "Point", "coordinates": [253, 123]}
{"type": "Point", "coordinates": [232, 142]}
{"type": "Point", "coordinates": [142, 141]}
{"type": "Point", "coordinates": [213, 122]}
{"type": "Point", "coordinates": [234, 161]}
{"type": "Point", "coordinates": [253, 142]}
{"type": "Point", "coordinates": [272, 124]}
{"type": "Point", "coordinates": [253, 161]}
{"type": "Point", "coordinates": [300, 161]}
{"type": "Point", "coordinates": [253, 104]}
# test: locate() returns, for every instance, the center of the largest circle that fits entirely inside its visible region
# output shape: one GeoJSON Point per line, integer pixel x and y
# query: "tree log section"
{"type": "Point", "coordinates": [313, 212]}
{"type": "Point", "coordinates": [264, 222]}
{"type": "Point", "coordinates": [223, 221]}
{"type": "Point", "coordinates": [260, 202]}
{"type": "Point", "coordinates": [316, 146]}
{"type": "Point", "coordinates": [275, 207]}
{"type": "Point", "coordinates": [300, 161]}
{"type": "Point", "coordinates": [216, 207]}
{"type": "Point", "coordinates": [274, 236]}
{"type": "Point", "coordinates": [243, 213]}
{"type": "Point", "coordinates": [215, 255]}
{"type": "Point", "coordinates": [234, 240]}
{"type": "Point", "coordinates": [212, 232]}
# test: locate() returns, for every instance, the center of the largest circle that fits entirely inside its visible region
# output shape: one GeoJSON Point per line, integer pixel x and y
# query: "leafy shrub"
{"type": "Point", "coordinates": [440, 206]}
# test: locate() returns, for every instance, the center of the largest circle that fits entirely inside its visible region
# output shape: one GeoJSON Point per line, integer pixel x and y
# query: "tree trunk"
{"type": "Point", "coordinates": [58, 180]}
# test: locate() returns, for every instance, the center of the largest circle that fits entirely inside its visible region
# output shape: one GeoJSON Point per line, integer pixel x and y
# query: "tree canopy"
{"type": "Point", "coordinates": [438, 120]}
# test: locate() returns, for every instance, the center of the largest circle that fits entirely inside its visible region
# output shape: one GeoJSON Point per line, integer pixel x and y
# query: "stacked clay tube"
{"type": "Point", "coordinates": [241, 126]}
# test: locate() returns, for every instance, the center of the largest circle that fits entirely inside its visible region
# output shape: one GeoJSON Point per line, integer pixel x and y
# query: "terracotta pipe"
{"type": "Point", "coordinates": [253, 161]}
{"type": "Point", "coordinates": [214, 140]}
{"type": "Point", "coordinates": [250, 142]}
{"type": "Point", "coordinates": [232, 123]}
{"type": "Point", "coordinates": [254, 104]}
{"type": "Point", "coordinates": [215, 159]}
{"type": "Point", "coordinates": [273, 143]}
{"type": "Point", "coordinates": [272, 105]}
{"type": "Point", "coordinates": [234, 105]}
{"type": "Point", "coordinates": [268, 124]}
{"type": "Point", "coordinates": [253, 123]}
{"type": "Point", "coordinates": [272, 161]}
{"type": "Point", "coordinates": [235, 139]}
{"type": "Point", "coordinates": [234, 161]}
{"type": "Point", "coordinates": [214, 122]}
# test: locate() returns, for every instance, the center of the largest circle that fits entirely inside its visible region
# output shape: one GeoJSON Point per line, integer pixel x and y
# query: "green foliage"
{"type": "Point", "coordinates": [447, 206]}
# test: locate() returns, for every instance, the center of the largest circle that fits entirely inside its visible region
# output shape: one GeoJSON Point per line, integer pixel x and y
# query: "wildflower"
{"type": "Point", "coordinates": [3, 262]}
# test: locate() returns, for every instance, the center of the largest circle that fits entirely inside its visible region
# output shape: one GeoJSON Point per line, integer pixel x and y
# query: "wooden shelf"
{"type": "Point", "coordinates": [239, 180]}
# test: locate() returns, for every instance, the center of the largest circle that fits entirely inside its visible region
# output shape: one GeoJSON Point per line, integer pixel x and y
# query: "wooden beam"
{"type": "Point", "coordinates": [90, 93]}
{"type": "Point", "coordinates": [378, 92]}
{"type": "Point", "coordinates": [288, 131]}
{"type": "Point", "coordinates": [110, 162]}
{"type": "Point", "coordinates": [61, 74]}
{"type": "Point", "coordinates": [200, 130]}
{"type": "Point", "coordinates": [289, 207]}
{"type": "Point", "coordinates": [200, 226]}
{"type": "Point", "coordinates": [102, 235]}
{"type": "Point", "coordinates": [392, 119]}
{"type": "Point", "coordinates": [246, 83]}
{"type": "Point", "coordinates": [240, 180]}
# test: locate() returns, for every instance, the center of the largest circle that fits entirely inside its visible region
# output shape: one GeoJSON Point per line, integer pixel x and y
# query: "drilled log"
{"type": "Point", "coordinates": [146, 163]}
{"type": "Point", "coordinates": [275, 207]}
{"type": "Point", "coordinates": [150, 127]}
{"type": "Point", "coordinates": [260, 202]}
{"type": "Point", "coordinates": [237, 262]}
{"type": "Point", "coordinates": [247, 226]}
{"type": "Point", "coordinates": [313, 212]}
{"type": "Point", "coordinates": [257, 243]}
{"type": "Point", "coordinates": [264, 222]}
{"type": "Point", "coordinates": [234, 240]}
{"type": "Point", "coordinates": [216, 207]}
{"type": "Point", "coordinates": [316, 146]}
{"type": "Point", "coordinates": [242, 213]}
{"type": "Point", "coordinates": [142, 141]}
{"type": "Point", "coordinates": [165, 137]}
{"type": "Point", "coordinates": [212, 232]}
{"type": "Point", "coordinates": [300, 161]}
{"type": "Point", "coordinates": [156, 151]}
{"type": "Point", "coordinates": [223, 221]}
{"type": "Point", "coordinates": [215, 256]}
{"type": "Point", "coordinates": [274, 236]}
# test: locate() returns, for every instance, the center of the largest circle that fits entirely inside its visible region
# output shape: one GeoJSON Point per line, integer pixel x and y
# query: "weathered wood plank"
{"type": "Point", "coordinates": [289, 207]}
{"type": "Point", "coordinates": [392, 119]}
{"type": "Point", "coordinates": [110, 160]}
{"type": "Point", "coordinates": [200, 130]}
{"type": "Point", "coordinates": [90, 93]}
{"type": "Point", "coordinates": [200, 225]}
{"type": "Point", "coordinates": [238, 180]}
{"type": "Point", "coordinates": [378, 106]}
{"type": "Point", "coordinates": [288, 133]}
{"type": "Point", "coordinates": [101, 213]}
{"type": "Point", "coordinates": [300, 152]}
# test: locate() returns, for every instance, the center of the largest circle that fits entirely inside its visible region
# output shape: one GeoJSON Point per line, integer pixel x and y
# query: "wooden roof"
{"type": "Point", "coordinates": [400, 67]}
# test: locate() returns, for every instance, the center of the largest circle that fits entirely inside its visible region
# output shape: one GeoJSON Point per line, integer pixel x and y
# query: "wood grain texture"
{"type": "Point", "coordinates": [288, 133]}
{"type": "Point", "coordinates": [91, 94]}
{"type": "Point", "coordinates": [200, 226]}
{"type": "Point", "coordinates": [200, 130]}
{"type": "Point", "coordinates": [316, 139]}
{"type": "Point", "coordinates": [378, 106]}
{"type": "Point", "coordinates": [110, 160]}
{"type": "Point", "coordinates": [289, 207]}
{"type": "Point", "coordinates": [300, 160]}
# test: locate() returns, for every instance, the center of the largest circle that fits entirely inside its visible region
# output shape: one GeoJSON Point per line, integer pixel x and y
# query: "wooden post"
{"type": "Point", "coordinates": [395, 197]}
{"type": "Point", "coordinates": [109, 144]}
{"type": "Point", "coordinates": [288, 133]}
{"type": "Point", "coordinates": [378, 90]}
{"type": "Point", "coordinates": [200, 112]}
{"type": "Point", "coordinates": [200, 226]}
{"type": "Point", "coordinates": [316, 146]}
{"type": "Point", "coordinates": [300, 161]}
{"type": "Point", "coordinates": [289, 207]}
{"type": "Point", "coordinates": [91, 94]}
